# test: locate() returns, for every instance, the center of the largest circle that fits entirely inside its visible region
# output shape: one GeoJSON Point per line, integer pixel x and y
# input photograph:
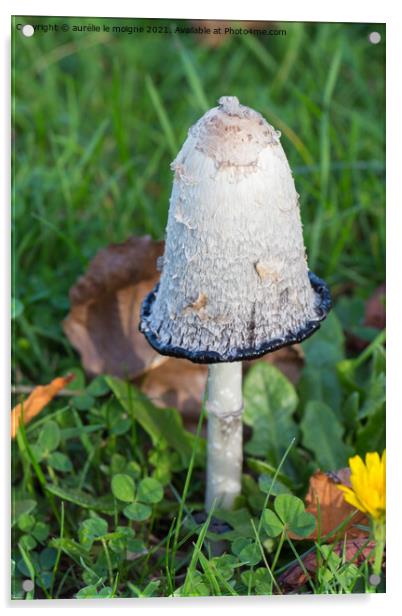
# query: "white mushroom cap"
{"type": "Point", "coordinates": [235, 281]}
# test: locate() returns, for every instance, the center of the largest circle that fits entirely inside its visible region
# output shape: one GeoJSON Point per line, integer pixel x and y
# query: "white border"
{"type": "Point", "coordinates": [341, 11]}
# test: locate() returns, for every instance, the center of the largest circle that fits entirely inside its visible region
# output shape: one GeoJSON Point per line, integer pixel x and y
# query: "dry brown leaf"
{"type": "Point", "coordinates": [292, 579]}
{"type": "Point", "coordinates": [105, 307]}
{"type": "Point", "coordinates": [375, 309]}
{"type": "Point", "coordinates": [332, 505]}
{"type": "Point", "coordinates": [374, 316]}
{"type": "Point", "coordinates": [178, 383]}
{"type": "Point", "coordinates": [36, 401]}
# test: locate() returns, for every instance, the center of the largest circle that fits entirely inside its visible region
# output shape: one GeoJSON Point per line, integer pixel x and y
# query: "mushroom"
{"type": "Point", "coordinates": [235, 282]}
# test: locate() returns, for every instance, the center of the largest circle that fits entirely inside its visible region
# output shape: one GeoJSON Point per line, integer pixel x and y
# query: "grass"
{"type": "Point", "coordinates": [97, 119]}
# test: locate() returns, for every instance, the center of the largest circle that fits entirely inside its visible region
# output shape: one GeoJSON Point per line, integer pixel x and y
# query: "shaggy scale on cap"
{"type": "Point", "coordinates": [235, 282]}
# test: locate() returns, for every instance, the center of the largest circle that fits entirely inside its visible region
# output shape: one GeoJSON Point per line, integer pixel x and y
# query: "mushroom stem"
{"type": "Point", "coordinates": [225, 434]}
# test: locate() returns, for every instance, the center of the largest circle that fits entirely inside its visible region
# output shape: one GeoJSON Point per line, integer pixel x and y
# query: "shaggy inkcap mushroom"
{"type": "Point", "coordinates": [235, 282]}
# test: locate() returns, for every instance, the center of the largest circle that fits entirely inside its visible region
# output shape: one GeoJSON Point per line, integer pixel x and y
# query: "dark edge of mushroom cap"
{"type": "Point", "coordinates": [240, 354]}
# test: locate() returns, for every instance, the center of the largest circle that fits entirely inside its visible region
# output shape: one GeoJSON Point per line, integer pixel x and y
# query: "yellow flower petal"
{"type": "Point", "coordinates": [383, 478]}
{"type": "Point", "coordinates": [357, 466]}
{"type": "Point", "coordinates": [372, 460]}
{"type": "Point", "coordinates": [351, 498]}
{"type": "Point", "coordinates": [368, 484]}
{"type": "Point", "coordinates": [373, 464]}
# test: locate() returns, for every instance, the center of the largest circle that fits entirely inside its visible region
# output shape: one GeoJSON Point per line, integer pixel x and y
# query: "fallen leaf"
{"type": "Point", "coordinates": [294, 578]}
{"type": "Point", "coordinates": [375, 309]}
{"type": "Point", "coordinates": [178, 383]}
{"type": "Point", "coordinates": [105, 308]}
{"type": "Point", "coordinates": [374, 318]}
{"type": "Point", "coordinates": [36, 401]}
{"type": "Point", "coordinates": [323, 491]}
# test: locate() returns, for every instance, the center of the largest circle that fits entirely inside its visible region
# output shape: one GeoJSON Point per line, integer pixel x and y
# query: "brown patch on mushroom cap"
{"type": "Point", "coordinates": [231, 134]}
{"type": "Point", "coordinates": [198, 304]}
{"type": "Point", "coordinates": [264, 270]}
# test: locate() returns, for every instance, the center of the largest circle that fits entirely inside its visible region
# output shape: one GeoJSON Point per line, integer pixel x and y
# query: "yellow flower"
{"type": "Point", "coordinates": [368, 485]}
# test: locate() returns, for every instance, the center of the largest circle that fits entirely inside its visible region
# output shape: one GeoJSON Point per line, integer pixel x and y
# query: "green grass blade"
{"type": "Point", "coordinates": [162, 115]}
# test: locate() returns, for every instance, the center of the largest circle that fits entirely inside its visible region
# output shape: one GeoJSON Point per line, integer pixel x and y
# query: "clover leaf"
{"type": "Point", "coordinates": [289, 515]}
